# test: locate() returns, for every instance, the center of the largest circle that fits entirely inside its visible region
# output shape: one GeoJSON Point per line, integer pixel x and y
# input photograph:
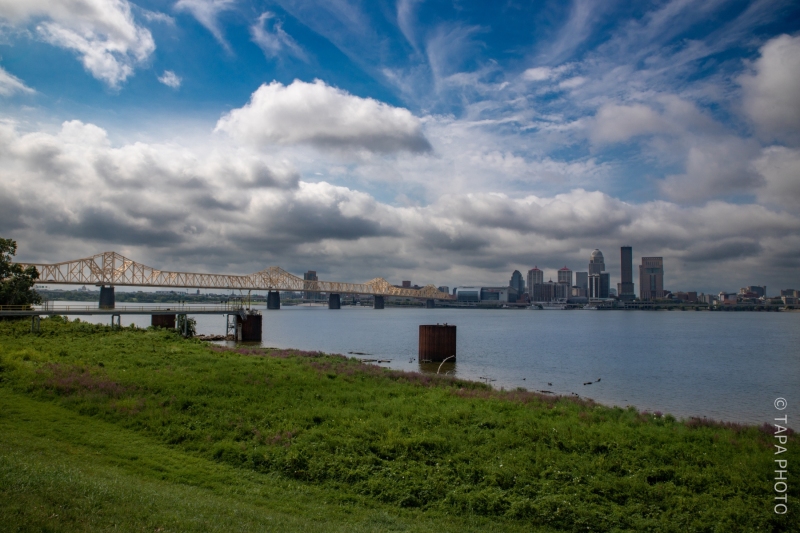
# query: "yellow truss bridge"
{"type": "Point", "coordinates": [111, 268]}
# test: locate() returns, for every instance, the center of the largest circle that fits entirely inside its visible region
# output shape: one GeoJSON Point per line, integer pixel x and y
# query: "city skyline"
{"type": "Point", "coordinates": [442, 142]}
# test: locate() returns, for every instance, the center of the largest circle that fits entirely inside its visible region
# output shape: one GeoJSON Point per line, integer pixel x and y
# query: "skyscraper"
{"type": "Point", "coordinates": [309, 278]}
{"type": "Point", "coordinates": [517, 283]}
{"type": "Point", "coordinates": [599, 285]}
{"type": "Point", "coordinates": [535, 276]}
{"type": "Point", "coordinates": [565, 276]}
{"type": "Point", "coordinates": [625, 289]}
{"type": "Point", "coordinates": [597, 263]}
{"type": "Point", "coordinates": [582, 281]}
{"type": "Point", "coordinates": [651, 278]}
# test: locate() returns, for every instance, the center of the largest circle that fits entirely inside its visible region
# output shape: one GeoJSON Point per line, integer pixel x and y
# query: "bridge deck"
{"type": "Point", "coordinates": [51, 310]}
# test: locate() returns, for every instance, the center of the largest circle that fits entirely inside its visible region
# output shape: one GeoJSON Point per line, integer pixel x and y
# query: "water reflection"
{"type": "Point", "coordinates": [448, 368]}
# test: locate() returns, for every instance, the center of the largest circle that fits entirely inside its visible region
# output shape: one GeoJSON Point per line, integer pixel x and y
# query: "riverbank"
{"type": "Point", "coordinates": [144, 429]}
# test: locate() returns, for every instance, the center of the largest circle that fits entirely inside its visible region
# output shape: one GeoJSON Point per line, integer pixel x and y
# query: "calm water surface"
{"type": "Point", "coordinates": [726, 366]}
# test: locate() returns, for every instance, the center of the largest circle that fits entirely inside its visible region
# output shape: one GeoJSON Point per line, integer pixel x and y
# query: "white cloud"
{"type": "Point", "coordinates": [772, 91]}
{"type": "Point", "coordinates": [325, 117]}
{"type": "Point", "coordinates": [538, 74]}
{"type": "Point", "coordinates": [780, 168]}
{"type": "Point", "coordinates": [618, 123]}
{"type": "Point", "coordinates": [170, 79]}
{"type": "Point", "coordinates": [275, 42]}
{"type": "Point", "coordinates": [715, 168]}
{"type": "Point", "coordinates": [103, 32]}
{"type": "Point", "coordinates": [10, 84]}
{"type": "Point", "coordinates": [207, 12]}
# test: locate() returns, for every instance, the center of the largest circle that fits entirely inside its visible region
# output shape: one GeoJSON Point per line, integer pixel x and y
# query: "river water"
{"type": "Point", "coordinates": [726, 366]}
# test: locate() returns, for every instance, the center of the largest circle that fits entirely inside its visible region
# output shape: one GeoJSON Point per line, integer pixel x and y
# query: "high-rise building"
{"type": "Point", "coordinates": [406, 284]}
{"type": "Point", "coordinates": [517, 283]}
{"type": "Point", "coordinates": [565, 276]}
{"type": "Point", "coordinates": [443, 288]}
{"type": "Point", "coordinates": [535, 276]}
{"type": "Point", "coordinates": [599, 285]}
{"type": "Point", "coordinates": [582, 281]}
{"type": "Point", "coordinates": [308, 277]}
{"type": "Point", "coordinates": [625, 288]}
{"type": "Point", "coordinates": [651, 278]}
{"type": "Point", "coordinates": [597, 263]}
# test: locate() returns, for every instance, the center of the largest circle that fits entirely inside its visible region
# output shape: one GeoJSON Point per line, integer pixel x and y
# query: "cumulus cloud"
{"type": "Point", "coordinates": [780, 169]}
{"type": "Point", "coordinates": [229, 209]}
{"type": "Point", "coordinates": [170, 79]}
{"type": "Point", "coordinates": [771, 91]}
{"type": "Point", "coordinates": [103, 33]}
{"type": "Point", "coordinates": [10, 84]}
{"type": "Point", "coordinates": [324, 117]}
{"type": "Point", "coordinates": [274, 41]}
{"type": "Point", "coordinates": [715, 168]}
{"type": "Point", "coordinates": [207, 13]}
{"type": "Point", "coordinates": [618, 123]}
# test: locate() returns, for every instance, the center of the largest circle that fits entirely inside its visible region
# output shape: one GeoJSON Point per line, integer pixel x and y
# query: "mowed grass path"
{"type": "Point", "coordinates": [142, 430]}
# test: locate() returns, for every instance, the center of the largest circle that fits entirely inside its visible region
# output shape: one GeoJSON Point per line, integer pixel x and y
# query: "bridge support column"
{"type": "Point", "coordinates": [107, 300]}
{"type": "Point", "coordinates": [273, 300]}
{"type": "Point", "coordinates": [430, 304]}
{"type": "Point", "coordinates": [378, 302]}
{"type": "Point", "coordinates": [334, 301]}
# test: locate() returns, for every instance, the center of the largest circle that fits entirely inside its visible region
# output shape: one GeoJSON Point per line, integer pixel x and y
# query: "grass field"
{"type": "Point", "coordinates": [143, 430]}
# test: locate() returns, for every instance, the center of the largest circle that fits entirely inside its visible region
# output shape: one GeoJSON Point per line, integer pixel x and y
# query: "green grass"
{"type": "Point", "coordinates": [143, 430]}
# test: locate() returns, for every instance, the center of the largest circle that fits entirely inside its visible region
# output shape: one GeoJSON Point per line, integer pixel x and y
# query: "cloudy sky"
{"type": "Point", "coordinates": [446, 142]}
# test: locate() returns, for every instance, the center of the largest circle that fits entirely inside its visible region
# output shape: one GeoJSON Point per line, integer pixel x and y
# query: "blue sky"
{"type": "Point", "coordinates": [446, 142]}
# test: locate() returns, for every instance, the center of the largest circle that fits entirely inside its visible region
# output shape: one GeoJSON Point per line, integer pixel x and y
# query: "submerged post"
{"type": "Point", "coordinates": [334, 301]}
{"type": "Point", "coordinates": [249, 328]}
{"type": "Point", "coordinates": [378, 303]}
{"type": "Point", "coordinates": [437, 343]}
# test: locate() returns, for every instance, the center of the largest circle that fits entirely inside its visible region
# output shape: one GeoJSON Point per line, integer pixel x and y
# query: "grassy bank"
{"type": "Point", "coordinates": [142, 429]}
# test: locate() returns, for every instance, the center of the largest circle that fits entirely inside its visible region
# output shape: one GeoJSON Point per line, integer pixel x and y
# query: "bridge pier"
{"type": "Point", "coordinates": [378, 302]}
{"type": "Point", "coordinates": [107, 300]}
{"type": "Point", "coordinates": [334, 301]}
{"type": "Point", "coordinates": [430, 304]}
{"type": "Point", "coordinates": [273, 300]}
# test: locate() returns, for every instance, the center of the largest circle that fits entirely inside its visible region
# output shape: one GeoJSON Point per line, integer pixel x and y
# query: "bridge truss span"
{"type": "Point", "coordinates": [111, 268]}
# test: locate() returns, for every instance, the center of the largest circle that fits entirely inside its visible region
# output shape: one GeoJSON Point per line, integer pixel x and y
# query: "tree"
{"type": "Point", "coordinates": [16, 283]}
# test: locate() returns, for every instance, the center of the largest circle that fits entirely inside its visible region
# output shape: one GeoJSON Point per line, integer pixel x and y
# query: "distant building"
{"type": "Point", "coordinates": [535, 276]}
{"type": "Point", "coordinates": [651, 278]}
{"type": "Point", "coordinates": [690, 297]}
{"type": "Point", "coordinates": [468, 294]}
{"type": "Point", "coordinates": [517, 282]}
{"type": "Point", "coordinates": [625, 288]}
{"type": "Point", "coordinates": [612, 292]}
{"type": "Point", "coordinates": [756, 290]}
{"type": "Point", "coordinates": [486, 294]}
{"type": "Point", "coordinates": [794, 293]}
{"type": "Point", "coordinates": [544, 292]}
{"type": "Point", "coordinates": [597, 263]}
{"type": "Point", "coordinates": [444, 288]}
{"type": "Point", "coordinates": [565, 276]}
{"type": "Point", "coordinates": [582, 281]}
{"type": "Point", "coordinates": [599, 285]}
{"type": "Point", "coordinates": [406, 284]}
{"type": "Point", "coordinates": [309, 278]}
{"type": "Point", "coordinates": [577, 292]}
{"type": "Point", "coordinates": [727, 298]}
